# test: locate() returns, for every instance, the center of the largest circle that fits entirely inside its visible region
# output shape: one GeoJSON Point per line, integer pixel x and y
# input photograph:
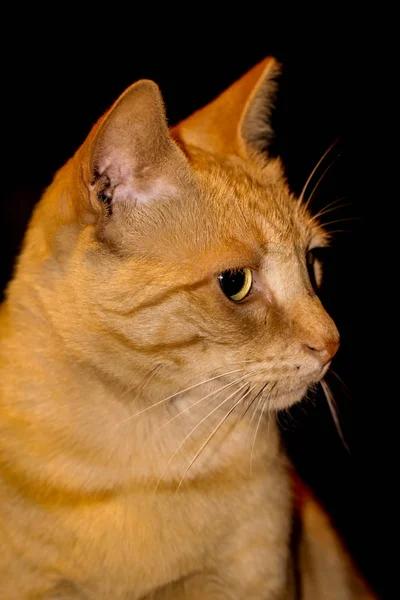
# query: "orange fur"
{"type": "Point", "coordinates": [137, 460]}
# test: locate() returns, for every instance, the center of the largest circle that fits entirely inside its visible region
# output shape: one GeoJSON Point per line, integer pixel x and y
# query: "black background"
{"type": "Point", "coordinates": [56, 85]}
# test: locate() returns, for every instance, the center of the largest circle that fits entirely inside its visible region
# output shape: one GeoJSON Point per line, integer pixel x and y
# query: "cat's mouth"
{"type": "Point", "coordinates": [283, 393]}
{"type": "Point", "coordinates": [286, 396]}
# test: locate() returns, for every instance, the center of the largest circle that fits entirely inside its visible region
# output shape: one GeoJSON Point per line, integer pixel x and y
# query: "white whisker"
{"type": "Point", "coordinates": [152, 375]}
{"type": "Point", "coordinates": [342, 220]}
{"type": "Point", "coordinates": [214, 392]}
{"type": "Point", "coordinates": [330, 208]}
{"type": "Point", "coordinates": [213, 433]}
{"type": "Point", "coordinates": [311, 196]}
{"type": "Point", "coordinates": [193, 430]}
{"type": "Point", "coordinates": [247, 408]}
{"type": "Point", "coordinates": [178, 393]}
{"type": "Point", "coordinates": [340, 380]}
{"type": "Point", "coordinates": [264, 401]}
{"type": "Point", "coordinates": [255, 407]}
{"type": "Point", "coordinates": [332, 232]}
{"type": "Point", "coordinates": [334, 412]}
{"type": "Point", "coordinates": [309, 178]}
{"type": "Point", "coordinates": [146, 381]}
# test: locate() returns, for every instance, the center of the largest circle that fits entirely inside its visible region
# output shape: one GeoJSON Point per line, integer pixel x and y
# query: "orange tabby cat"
{"type": "Point", "coordinates": [160, 314]}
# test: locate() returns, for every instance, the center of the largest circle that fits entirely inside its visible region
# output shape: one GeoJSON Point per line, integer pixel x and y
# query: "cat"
{"type": "Point", "coordinates": [160, 314]}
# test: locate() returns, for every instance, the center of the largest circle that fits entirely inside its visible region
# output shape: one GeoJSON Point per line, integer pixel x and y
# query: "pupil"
{"type": "Point", "coordinates": [232, 282]}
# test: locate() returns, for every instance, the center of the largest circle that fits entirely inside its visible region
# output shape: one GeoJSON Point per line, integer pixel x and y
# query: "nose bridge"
{"type": "Point", "coordinates": [285, 277]}
{"type": "Point", "coordinates": [310, 323]}
{"type": "Point", "coordinates": [314, 327]}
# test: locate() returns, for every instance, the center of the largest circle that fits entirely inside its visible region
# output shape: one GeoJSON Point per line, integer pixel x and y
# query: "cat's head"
{"type": "Point", "coordinates": [183, 252]}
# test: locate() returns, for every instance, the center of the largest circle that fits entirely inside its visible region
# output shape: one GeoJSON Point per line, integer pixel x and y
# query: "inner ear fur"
{"type": "Point", "coordinates": [129, 155]}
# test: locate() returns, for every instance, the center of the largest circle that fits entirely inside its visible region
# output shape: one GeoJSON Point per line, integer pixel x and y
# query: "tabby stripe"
{"type": "Point", "coordinates": [163, 297]}
{"type": "Point", "coordinates": [155, 348]}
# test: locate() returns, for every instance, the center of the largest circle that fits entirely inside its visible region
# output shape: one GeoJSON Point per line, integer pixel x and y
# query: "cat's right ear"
{"type": "Point", "coordinates": [238, 121]}
{"type": "Point", "coordinates": [129, 158]}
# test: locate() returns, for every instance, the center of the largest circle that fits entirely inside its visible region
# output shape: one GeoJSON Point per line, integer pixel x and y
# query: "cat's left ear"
{"type": "Point", "coordinates": [129, 158]}
{"type": "Point", "coordinates": [238, 121]}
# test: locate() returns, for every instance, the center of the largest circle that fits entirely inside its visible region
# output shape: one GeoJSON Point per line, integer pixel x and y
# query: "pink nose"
{"type": "Point", "coordinates": [325, 350]}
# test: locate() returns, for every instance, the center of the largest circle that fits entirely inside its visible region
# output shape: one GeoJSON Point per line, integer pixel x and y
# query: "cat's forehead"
{"type": "Point", "coordinates": [228, 214]}
{"type": "Point", "coordinates": [253, 205]}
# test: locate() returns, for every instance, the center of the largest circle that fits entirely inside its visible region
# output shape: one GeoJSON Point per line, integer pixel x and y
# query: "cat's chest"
{"type": "Point", "coordinates": [124, 546]}
{"type": "Point", "coordinates": [130, 545]}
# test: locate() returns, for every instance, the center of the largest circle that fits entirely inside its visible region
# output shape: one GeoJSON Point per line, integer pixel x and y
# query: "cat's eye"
{"type": "Point", "coordinates": [236, 284]}
{"type": "Point", "coordinates": [313, 260]}
{"type": "Point", "coordinates": [310, 259]}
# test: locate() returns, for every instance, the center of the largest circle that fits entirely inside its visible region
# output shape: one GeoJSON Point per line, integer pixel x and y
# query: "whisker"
{"type": "Point", "coordinates": [309, 178]}
{"type": "Point", "coordinates": [247, 408]}
{"type": "Point", "coordinates": [180, 392]}
{"type": "Point", "coordinates": [341, 220]}
{"type": "Point", "coordinates": [334, 412]}
{"type": "Point", "coordinates": [255, 438]}
{"type": "Point", "coordinates": [335, 231]}
{"type": "Point", "coordinates": [212, 435]}
{"type": "Point", "coordinates": [214, 392]}
{"type": "Point", "coordinates": [332, 204]}
{"type": "Point", "coordinates": [146, 380]}
{"type": "Point", "coordinates": [250, 404]}
{"type": "Point", "coordinates": [153, 373]}
{"type": "Point", "coordinates": [330, 208]}
{"type": "Point", "coordinates": [311, 196]}
{"type": "Point", "coordinates": [263, 386]}
{"type": "Point", "coordinates": [258, 424]}
{"type": "Point", "coordinates": [342, 383]}
{"type": "Point", "coordinates": [191, 433]}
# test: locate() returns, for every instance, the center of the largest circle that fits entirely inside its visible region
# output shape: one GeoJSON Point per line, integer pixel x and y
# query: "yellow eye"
{"type": "Point", "coordinates": [236, 285]}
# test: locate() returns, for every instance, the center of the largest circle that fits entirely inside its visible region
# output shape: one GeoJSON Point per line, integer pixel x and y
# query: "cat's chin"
{"type": "Point", "coordinates": [287, 399]}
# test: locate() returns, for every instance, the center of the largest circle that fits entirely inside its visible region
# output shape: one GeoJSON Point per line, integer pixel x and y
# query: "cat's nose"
{"type": "Point", "coordinates": [324, 349]}
{"type": "Point", "coordinates": [315, 329]}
